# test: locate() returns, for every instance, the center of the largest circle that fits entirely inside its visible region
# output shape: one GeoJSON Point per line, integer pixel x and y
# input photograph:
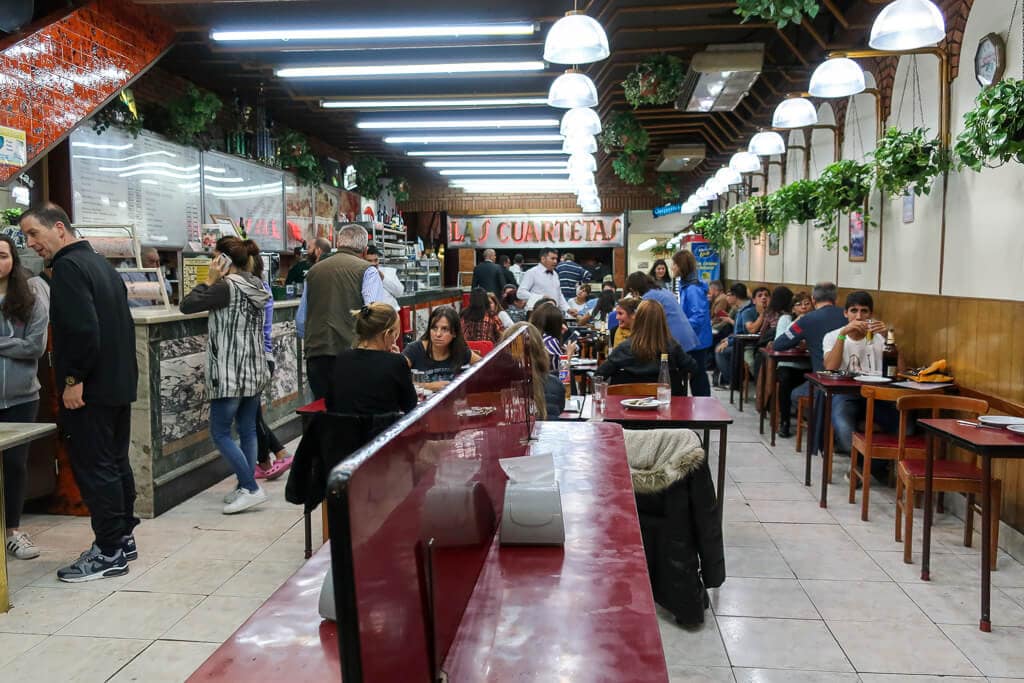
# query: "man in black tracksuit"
{"type": "Point", "coordinates": [95, 364]}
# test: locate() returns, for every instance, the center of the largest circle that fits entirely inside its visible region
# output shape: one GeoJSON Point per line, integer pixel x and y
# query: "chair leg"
{"type": "Point", "coordinates": [940, 504]}
{"type": "Point", "coordinates": [853, 475]}
{"type": "Point", "coordinates": [865, 479]}
{"type": "Point", "coordinates": [969, 521]}
{"type": "Point", "coordinates": [899, 508]}
{"type": "Point", "coordinates": [799, 425]}
{"type": "Point", "coordinates": [997, 496]}
{"type": "Point", "coordinates": [908, 526]}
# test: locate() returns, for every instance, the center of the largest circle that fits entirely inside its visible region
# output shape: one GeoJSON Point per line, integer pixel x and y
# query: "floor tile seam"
{"type": "Point", "coordinates": [137, 655]}
{"type": "Point", "coordinates": [995, 628]}
{"type": "Point", "coordinates": [974, 620]}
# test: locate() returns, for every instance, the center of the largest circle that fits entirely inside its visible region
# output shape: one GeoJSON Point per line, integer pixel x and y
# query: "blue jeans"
{"type": "Point", "coordinates": [848, 409]}
{"type": "Point", "coordinates": [241, 411]}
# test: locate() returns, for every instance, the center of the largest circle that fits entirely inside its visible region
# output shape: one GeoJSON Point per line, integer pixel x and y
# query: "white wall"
{"type": "Point", "coordinates": [773, 266]}
{"type": "Point", "coordinates": [821, 264]}
{"type": "Point", "coordinates": [794, 242]}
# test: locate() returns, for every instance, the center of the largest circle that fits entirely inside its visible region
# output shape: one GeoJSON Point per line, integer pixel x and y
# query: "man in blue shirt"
{"type": "Point", "coordinates": [571, 275]}
{"type": "Point", "coordinates": [642, 285]}
{"type": "Point", "coordinates": [746, 323]}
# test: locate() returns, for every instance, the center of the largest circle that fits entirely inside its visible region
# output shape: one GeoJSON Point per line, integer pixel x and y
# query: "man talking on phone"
{"type": "Point", "coordinates": [94, 361]}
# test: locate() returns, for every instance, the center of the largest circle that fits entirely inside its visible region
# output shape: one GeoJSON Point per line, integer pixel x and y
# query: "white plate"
{"type": "Point", "coordinates": [641, 403]}
{"type": "Point", "coordinates": [873, 379]}
{"type": "Point", "coordinates": [1000, 420]}
{"type": "Point", "coordinates": [1016, 428]}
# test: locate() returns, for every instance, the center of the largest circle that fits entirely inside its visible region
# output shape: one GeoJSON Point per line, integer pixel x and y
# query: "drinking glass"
{"type": "Point", "coordinates": [664, 395]}
{"type": "Point", "coordinates": [600, 394]}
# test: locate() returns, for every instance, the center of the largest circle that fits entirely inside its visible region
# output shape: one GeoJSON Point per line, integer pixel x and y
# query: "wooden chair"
{"type": "Point", "coordinates": [637, 389]}
{"type": "Point", "coordinates": [947, 475]}
{"type": "Point", "coordinates": [872, 445]}
{"type": "Point", "coordinates": [803, 405]}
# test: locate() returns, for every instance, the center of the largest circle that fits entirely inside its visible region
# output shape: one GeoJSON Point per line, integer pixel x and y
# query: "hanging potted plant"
{"type": "Point", "coordinates": [662, 251]}
{"type": "Point", "coordinates": [369, 169]}
{"type": "Point", "coordinates": [400, 189]}
{"type": "Point", "coordinates": [631, 167]}
{"type": "Point", "coordinates": [994, 130]}
{"type": "Point", "coordinates": [294, 154]}
{"type": "Point", "coordinates": [714, 228]}
{"type": "Point", "coordinates": [11, 216]}
{"type": "Point", "coordinates": [120, 111]}
{"type": "Point", "coordinates": [842, 189]}
{"type": "Point", "coordinates": [666, 187]}
{"type": "Point", "coordinates": [655, 80]}
{"type": "Point", "coordinates": [779, 12]}
{"type": "Point", "coordinates": [794, 203]}
{"type": "Point", "coordinates": [623, 132]}
{"type": "Point", "coordinates": [191, 115]}
{"type": "Point", "coordinates": [907, 161]}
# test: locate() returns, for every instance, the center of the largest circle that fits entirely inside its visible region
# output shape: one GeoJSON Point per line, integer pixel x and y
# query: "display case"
{"type": "Point", "coordinates": [417, 274]}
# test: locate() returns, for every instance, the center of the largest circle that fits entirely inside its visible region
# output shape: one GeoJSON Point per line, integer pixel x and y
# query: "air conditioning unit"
{"type": "Point", "coordinates": [676, 158]}
{"type": "Point", "coordinates": [720, 77]}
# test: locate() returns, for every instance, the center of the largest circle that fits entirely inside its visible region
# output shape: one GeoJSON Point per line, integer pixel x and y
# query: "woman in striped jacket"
{"type": "Point", "coordinates": [236, 366]}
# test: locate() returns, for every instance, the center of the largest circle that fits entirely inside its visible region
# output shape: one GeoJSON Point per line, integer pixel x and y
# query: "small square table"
{"type": "Point", "coordinates": [987, 443]}
{"type": "Point", "coordinates": [829, 385]}
{"type": "Point", "coordinates": [773, 358]}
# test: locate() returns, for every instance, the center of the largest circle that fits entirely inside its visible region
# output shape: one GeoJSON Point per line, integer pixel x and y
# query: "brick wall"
{"type": "Point", "coordinates": [52, 79]}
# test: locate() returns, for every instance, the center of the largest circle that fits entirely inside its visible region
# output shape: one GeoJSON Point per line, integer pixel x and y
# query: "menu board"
{"type": "Point", "coordinates": [238, 189]}
{"type": "Point", "coordinates": [298, 201]}
{"type": "Point", "coordinates": [146, 182]}
{"type": "Point", "coordinates": [326, 200]}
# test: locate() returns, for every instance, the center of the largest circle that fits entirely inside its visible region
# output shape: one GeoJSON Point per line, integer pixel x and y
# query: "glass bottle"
{"type": "Point", "coordinates": [890, 354]}
{"type": "Point", "coordinates": [564, 375]}
{"type": "Point", "coordinates": [664, 382]}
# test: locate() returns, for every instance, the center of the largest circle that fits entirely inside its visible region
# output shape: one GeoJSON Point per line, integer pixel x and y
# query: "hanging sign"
{"type": "Point", "coordinates": [660, 211]}
{"type": "Point", "coordinates": [535, 231]}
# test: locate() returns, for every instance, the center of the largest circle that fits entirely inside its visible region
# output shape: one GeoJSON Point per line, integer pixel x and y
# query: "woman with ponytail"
{"type": "Point", "coordinates": [236, 364]}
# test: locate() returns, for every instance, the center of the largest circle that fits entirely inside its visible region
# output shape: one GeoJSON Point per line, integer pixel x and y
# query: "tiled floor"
{"type": "Point", "coordinates": [812, 595]}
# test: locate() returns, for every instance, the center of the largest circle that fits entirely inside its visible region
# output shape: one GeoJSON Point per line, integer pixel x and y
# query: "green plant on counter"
{"type": "Point", "coordinates": [779, 12]}
{"type": "Point", "coordinates": [655, 80]}
{"type": "Point", "coordinates": [369, 170]}
{"type": "Point", "coordinates": [843, 188]}
{"type": "Point", "coordinates": [714, 228]}
{"type": "Point", "coordinates": [623, 132]}
{"type": "Point", "coordinates": [120, 111]}
{"type": "Point", "coordinates": [12, 215]}
{"type": "Point", "coordinates": [191, 115]}
{"type": "Point", "coordinates": [631, 167]}
{"type": "Point", "coordinates": [294, 154]}
{"type": "Point", "coordinates": [908, 160]}
{"type": "Point", "coordinates": [400, 189]}
{"type": "Point", "coordinates": [666, 187]}
{"type": "Point", "coordinates": [994, 130]}
{"type": "Point", "coordinates": [795, 203]}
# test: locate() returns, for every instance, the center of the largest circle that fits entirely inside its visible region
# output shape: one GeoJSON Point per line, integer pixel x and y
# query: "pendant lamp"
{"type": "Point", "coordinates": [581, 121]}
{"type": "Point", "coordinates": [745, 162]}
{"type": "Point", "coordinates": [580, 144]}
{"type": "Point", "coordinates": [576, 39]}
{"type": "Point", "coordinates": [795, 112]}
{"type": "Point", "coordinates": [580, 178]}
{"type": "Point", "coordinates": [729, 176]}
{"type": "Point", "coordinates": [766, 144]}
{"type": "Point", "coordinates": [907, 25]}
{"type": "Point", "coordinates": [717, 186]}
{"type": "Point", "coordinates": [582, 162]}
{"type": "Point", "coordinates": [705, 194]}
{"type": "Point", "coordinates": [572, 89]}
{"type": "Point", "coordinates": [837, 77]}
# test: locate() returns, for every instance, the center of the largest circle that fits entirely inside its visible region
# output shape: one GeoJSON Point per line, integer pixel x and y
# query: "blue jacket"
{"type": "Point", "coordinates": [678, 325]}
{"type": "Point", "coordinates": [693, 297]}
{"type": "Point", "coordinates": [747, 314]}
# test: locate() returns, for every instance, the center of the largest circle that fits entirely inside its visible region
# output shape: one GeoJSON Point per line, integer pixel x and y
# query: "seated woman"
{"type": "Point", "coordinates": [548, 319]}
{"type": "Point", "coordinates": [582, 305]}
{"type": "Point", "coordinates": [373, 377]}
{"type": "Point", "coordinates": [638, 359]}
{"type": "Point", "coordinates": [620, 322]}
{"type": "Point", "coordinates": [515, 307]}
{"type": "Point", "coordinates": [441, 352]}
{"type": "Point", "coordinates": [602, 308]}
{"type": "Point", "coordinates": [478, 323]}
{"type": "Point", "coordinates": [548, 392]}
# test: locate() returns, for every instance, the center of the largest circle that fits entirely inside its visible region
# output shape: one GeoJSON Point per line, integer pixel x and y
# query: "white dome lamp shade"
{"type": "Point", "coordinates": [907, 25]}
{"type": "Point", "coordinates": [579, 144]}
{"type": "Point", "coordinates": [796, 112]}
{"type": "Point", "coordinates": [582, 162]}
{"type": "Point", "coordinates": [745, 162]}
{"type": "Point", "coordinates": [584, 184]}
{"type": "Point", "coordinates": [571, 90]}
{"type": "Point", "coordinates": [837, 77]}
{"type": "Point", "coordinates": [580, 178]}
{"type": "Point", "coordinates": [728, 176]}
{"type": "Point", "coordinates": [592, 207]}
{"type": "Point", "coordinates": [705, 194]}
{"type": "Point", "coordinates": [587, 195]}
{"type": "Point", "coordinates": [576, 39]}
{"type": "Point", "coordinates": [717, 186]}
{"type": "Point", "coordinates": [581, 121]}
{"type": "Point", "coordinates": [766, 144]}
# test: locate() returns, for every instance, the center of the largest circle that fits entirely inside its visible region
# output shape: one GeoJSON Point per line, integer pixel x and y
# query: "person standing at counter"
{"type": "Point", "coordinates": [23, 321]}
{"type": "Point", "coordinates": [297, 273]}
{"type": "Point", "coordinates": [236, 367]}
{"type": "Point", "coordinates": [94, 358]}
{"type": "Point", "coordinates": [391, 286]}
{"type": "Point", "coordinates": [542, 280]}
{"type": "Point", "coordinates": [334, 287]}
{"type": "Point", "coordinates": [150, 259]}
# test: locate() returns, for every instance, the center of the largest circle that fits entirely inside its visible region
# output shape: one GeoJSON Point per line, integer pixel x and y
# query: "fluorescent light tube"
{"type": "Point", "coordinates": [503, 171]}
{"type": "Point", "coordinates": [647, 244]}
{"type": "Point", "coordinates": [495, 164]}
{"type": "Point", "coordinates": [489, 153]}
{"type": "Point", "coordinates": [468, 139]}
{"type": "Point", "coordinates": [455, 123]}
{"type": "Point", "coordinates": [437, 103]}
{"type": "Point", "coordinates": [341, 71]}
{"type": "Point", "coordinates": [442, 31]}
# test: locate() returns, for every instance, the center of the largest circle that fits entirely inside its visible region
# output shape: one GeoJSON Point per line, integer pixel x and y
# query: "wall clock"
{"type": "Point", "coordinates": [990, 59]}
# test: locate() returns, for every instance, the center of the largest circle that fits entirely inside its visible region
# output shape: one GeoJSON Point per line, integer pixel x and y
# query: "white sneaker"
{"type": "Point", "coordinates": [19, 545]}
{"type": "Point", "coordinates": [246, 499]}
{"type": "Point", "coordinates": [230, 498]}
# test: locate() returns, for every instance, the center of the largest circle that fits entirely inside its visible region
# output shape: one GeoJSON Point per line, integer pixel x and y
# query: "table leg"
{"type": "Point", "coordinates": [986, 543]}
{"type": "Point", "coordinates": [5, 602]}
{"type": "Point", "coordinates": [734, 373]}
{"type": "Point", "coordinates": [810, 435]}
{"type": "Point", "coordinates": [723, 435]}
{"type": "Point", "coordinates": [775, 398]}
{"type": "Point", "coordinates": [826, 452]}
{"type": "Point", "coordinates": [707, 443]}
{"type": "Point", "coordinates": [926, 534]}
{"type": "Point", "coordinates": [740, 372]}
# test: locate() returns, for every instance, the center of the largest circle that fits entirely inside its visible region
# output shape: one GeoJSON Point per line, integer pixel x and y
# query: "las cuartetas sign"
{"type": "Point", "coordinates": [535, 231]}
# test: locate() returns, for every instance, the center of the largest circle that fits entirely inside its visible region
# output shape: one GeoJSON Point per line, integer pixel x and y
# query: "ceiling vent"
{"type": "Point", "coordinates": [677, 158]}
{"type": "Point", "coordinates": [720, 77]}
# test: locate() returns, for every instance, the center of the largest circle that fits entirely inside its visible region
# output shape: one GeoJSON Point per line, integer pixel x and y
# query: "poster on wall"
{"type": "Point", "coordinates": [858, 238]}
{"type": "Point", "coordinates": [773, 244]}
{"type": "Point", "coordinates": [147, 182]}
{"type": "Point", "coordinates": [533, 231]}
{"type": "Point", "coordinates": [326, 200]}
{"type": "Point", "coordinates": [709, 264]}
{"type": "Point", "coordinates": [244, 190]}
{"type": "Point", "coordinates": [193, 272]}
{"type": "Point", "coordinates": [298, 202]}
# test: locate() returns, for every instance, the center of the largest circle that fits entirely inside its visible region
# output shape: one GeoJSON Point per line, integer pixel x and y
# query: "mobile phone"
{"type": "Point", "coordinates": [222, 262]}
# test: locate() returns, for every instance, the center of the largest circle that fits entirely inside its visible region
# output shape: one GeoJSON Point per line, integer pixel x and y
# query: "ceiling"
{"type": "Point", "coordinates": [635, 28]}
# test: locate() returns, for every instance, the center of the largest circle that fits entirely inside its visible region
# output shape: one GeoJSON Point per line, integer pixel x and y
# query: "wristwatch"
{"type": "Point", "coordinates": [71, 381]}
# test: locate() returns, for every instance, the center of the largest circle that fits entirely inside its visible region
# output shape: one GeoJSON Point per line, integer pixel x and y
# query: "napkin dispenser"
{"type": "Point", "coordinates": [532, 512]}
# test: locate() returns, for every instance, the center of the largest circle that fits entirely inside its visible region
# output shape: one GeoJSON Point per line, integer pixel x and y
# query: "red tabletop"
{"type": "Point", "coordinates": [692, 411]}
{"type": "Point", "coordinates": [977, 439]}
{"type": "Point", "coordinates": [584, 612]}
{"type": "Point", "coordinates": [834, 384]}
{"type": "Point", "coordinates": [285, 639]}
{"type": "Point", "coordinates": [794, 354]}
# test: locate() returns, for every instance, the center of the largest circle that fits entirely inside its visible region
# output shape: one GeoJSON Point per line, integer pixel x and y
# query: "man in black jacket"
{"type": "Point", "coordinates": [94, 360]}
{"type": "Point", "coordinates": [490, 275]}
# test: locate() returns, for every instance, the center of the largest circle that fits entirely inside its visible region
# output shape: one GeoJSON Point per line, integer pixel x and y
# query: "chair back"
{"type": "Point", "coordinates": [482, 348]}
{"type": "Point", "coordinates": [636, 389]}
{"type": "Point", "coordinates": [936, 403]}
{"type": "Point", "coordinates": [872, 394]}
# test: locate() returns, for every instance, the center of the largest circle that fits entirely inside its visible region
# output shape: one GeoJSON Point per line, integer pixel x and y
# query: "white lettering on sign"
{"type": "Point", "coordinates": [572, 230]}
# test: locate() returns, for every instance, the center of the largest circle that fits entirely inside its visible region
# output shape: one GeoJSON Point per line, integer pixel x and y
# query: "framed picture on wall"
{"type": "Point", "coordinates": [858, 249]}
{"type": "Point", "coordinates": [773, 244]}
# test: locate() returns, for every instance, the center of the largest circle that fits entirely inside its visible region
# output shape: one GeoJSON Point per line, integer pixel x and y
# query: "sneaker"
{"type": "Point", "coordinates": [246, 499]}
{"type": "Point", "coordinates": [92, 565]}
{"type": "Point", "coordinates": [19, 545]}
{"type": "Point", "coordinates": [230, 498]}
{"type": "Point", "coordinates": [131, 551]}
